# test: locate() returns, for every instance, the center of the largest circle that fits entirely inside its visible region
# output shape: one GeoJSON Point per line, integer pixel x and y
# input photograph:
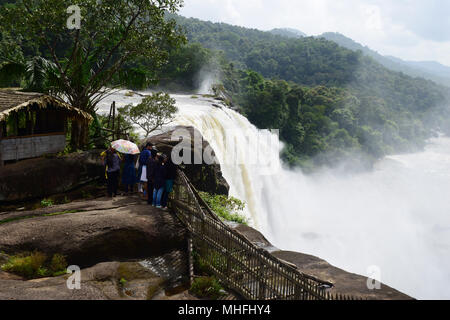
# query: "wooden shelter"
{"type": "Point", "coordinates": [34, 124]}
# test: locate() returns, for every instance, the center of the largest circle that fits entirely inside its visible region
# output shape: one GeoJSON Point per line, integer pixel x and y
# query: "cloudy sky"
{"type": "Point", "coordinates": [408, 29]}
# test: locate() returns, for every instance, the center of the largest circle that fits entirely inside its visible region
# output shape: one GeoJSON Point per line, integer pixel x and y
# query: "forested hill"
{"type": "Point", "coordinates": [311, 62]}
{"type": "Point", "coordinates": [307, 60]}
{"type": "Point", "coordinates": [329, 102]}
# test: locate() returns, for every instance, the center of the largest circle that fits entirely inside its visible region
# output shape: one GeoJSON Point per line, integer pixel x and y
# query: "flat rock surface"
{"type": "Point", "coordinates": [94, 231]}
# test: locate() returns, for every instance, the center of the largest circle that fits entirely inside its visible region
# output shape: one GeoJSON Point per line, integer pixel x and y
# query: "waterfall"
{"type": "Point", "coordinates": [395, 217]}
{"type": "Point", "coordinates": [228, 132]}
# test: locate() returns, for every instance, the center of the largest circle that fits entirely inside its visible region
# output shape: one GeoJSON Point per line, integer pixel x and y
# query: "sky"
{"type": "Point", "coordinates": [417, 30]}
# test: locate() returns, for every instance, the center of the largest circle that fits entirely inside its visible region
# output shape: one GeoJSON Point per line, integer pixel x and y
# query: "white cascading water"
{"type": "Point", "coordinates": [396, 217]}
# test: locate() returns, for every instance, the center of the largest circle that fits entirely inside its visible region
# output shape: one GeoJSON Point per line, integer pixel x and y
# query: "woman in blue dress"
{"type": "Point", "coordinates": [129, 173]}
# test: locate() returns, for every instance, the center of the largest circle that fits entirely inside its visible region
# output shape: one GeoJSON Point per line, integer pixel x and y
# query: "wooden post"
{"type": "Point", "coordinates": [27, 123]}
{"type": "Point", "coordinates": [113, 119]}
{"type": "Point", "coordinates": [16, 120]}
{"type": "Point", "coordinates": [110, 114]}
{"type": "Point", "coordinates": [119, 134]}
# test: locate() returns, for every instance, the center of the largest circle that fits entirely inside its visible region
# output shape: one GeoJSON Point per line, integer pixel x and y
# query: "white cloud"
{"type": "Point", "coordinates": [408, 29]}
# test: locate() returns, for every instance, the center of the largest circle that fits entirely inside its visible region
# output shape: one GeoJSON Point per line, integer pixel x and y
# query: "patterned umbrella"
{"type": "Point", "coordinates": [125, 146]}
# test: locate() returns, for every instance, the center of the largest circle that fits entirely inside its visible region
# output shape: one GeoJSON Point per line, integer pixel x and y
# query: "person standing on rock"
{"type": "Point", "coordinates": [142, 172]}
{"type": "Point", "coordinates": [170, 178]}
{"type": "Point", "coordinates": [151, 164]}
{"type": "Point", "coordinates": [112, 163]}
{"type": "Point", "coordinates": [159, 182]}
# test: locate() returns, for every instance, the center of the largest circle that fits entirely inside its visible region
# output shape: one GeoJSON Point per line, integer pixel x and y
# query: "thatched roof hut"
{"type": "Point", "coordinates": [34, 124]}
{"type": "Point", "coordinates": [15, 101]}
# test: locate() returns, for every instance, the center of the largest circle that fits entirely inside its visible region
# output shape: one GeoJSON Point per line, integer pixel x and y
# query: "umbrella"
{"type": "Point", "coordinates": [125, 146]}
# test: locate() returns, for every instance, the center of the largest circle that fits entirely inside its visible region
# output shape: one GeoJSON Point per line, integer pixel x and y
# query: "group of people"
{"type": "Point", "coordinates": [155, 175]}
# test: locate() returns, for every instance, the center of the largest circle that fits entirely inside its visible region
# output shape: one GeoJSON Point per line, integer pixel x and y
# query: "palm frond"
{"type": "Point", "coordinates": [37, 73]}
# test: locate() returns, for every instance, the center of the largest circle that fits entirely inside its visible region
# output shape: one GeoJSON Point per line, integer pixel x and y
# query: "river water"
{"type": "Point", "coordinates": [394, 219]}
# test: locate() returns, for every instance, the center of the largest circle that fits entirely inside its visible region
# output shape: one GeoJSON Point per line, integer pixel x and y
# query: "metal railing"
{"type": "Point", "coordinates": [240, 265]}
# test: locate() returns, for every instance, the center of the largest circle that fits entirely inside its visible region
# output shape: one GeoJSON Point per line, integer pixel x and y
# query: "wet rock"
{"type": "Point", "coordinates": [41, 177]}
{"type": "Point", "coordinates": [206, 176]}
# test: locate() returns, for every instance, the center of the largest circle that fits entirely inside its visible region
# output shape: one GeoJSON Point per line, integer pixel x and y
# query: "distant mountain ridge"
{"type": "Point", "coordinates": [430, 70]}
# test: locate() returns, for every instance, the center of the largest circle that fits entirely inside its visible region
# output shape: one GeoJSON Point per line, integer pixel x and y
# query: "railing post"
{"type": "Point", "coordinates": [190, 260]}
{"type": "Point", "coordinates": [261, 283]}
{"type": "Point", "coordinates": [298, 292]}
{"type": "Point", "coordinates": [113, 120]}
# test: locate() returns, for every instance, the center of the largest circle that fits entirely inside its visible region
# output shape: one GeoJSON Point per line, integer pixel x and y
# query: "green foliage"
{"type": "Point", "coordinates": [207, 287]}
{"type": "Point", "coordinates": [83, 66]}
{"type": "Point", "coordinates": [60, 213]}
{"type": "Point", "coordinates": [32, 265]}
{"type": "Point", "coordinates": [207, 259]}
{"type": "Point", "coordinates": [106, 50]}
{"type": "Point", "coordinates": [47, 203]}
{"type": "Point", "coordinates": [227, 208]}
{"type": "Point", "coordinates": [186, 64]}
{"type": "Point", "coordinates": [152, 113]}
{"type": "Point", "coordinates": [27, 266]}
{"type": "Point", "coordinates": [122, 282]}
{"type": "Point", "coordinates": [58, 263]}
{"type": "Point", "coordinates": [36, 265]}
{"type": "Point", "coordinates": [15, 219]}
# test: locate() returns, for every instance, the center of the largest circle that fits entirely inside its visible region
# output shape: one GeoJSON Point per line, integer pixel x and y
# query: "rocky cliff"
{"type": "Point", "coordinates": [203, 176]}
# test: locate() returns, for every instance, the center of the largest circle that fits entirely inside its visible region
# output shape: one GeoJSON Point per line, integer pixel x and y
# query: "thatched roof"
{"type": "Point", "coordinates": [14, 101]}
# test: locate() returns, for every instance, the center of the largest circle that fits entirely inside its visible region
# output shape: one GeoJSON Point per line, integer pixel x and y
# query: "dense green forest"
{"type": "Point", "coordinates": [329, 102]}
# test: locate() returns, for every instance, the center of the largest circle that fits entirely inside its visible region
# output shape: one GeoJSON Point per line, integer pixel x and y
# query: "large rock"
{"type": "Point", "coordinates": [41, 177]}
{"type": "Point", "coordinates": [104, 281]}
{"type": "Point", "coordinates": [206, 176]}
{"type": "Point", "coordinates": [92, 232]}
{"type": "Point", "coordinates": [344, 282]}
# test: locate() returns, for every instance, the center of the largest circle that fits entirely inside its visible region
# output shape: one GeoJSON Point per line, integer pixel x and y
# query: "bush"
{"type": "Point", "coordinates": [207, 287]}
{"type": "Point", "coordinates": [58, 263]}
{"type": "Point", "coordinates": [34, 265]}
{"type": "Point", "coordinates": [30, 266]}
{"type": "Point", "coordinates": [227, 208]}
{"type": "Point", "coordinates": [47, 203]}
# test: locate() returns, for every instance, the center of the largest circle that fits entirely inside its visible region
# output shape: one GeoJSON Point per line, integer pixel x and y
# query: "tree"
{"type": "Point", "coordinates": [89, 59]}
{"type": "Point", "coordinates": [152, 113]}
